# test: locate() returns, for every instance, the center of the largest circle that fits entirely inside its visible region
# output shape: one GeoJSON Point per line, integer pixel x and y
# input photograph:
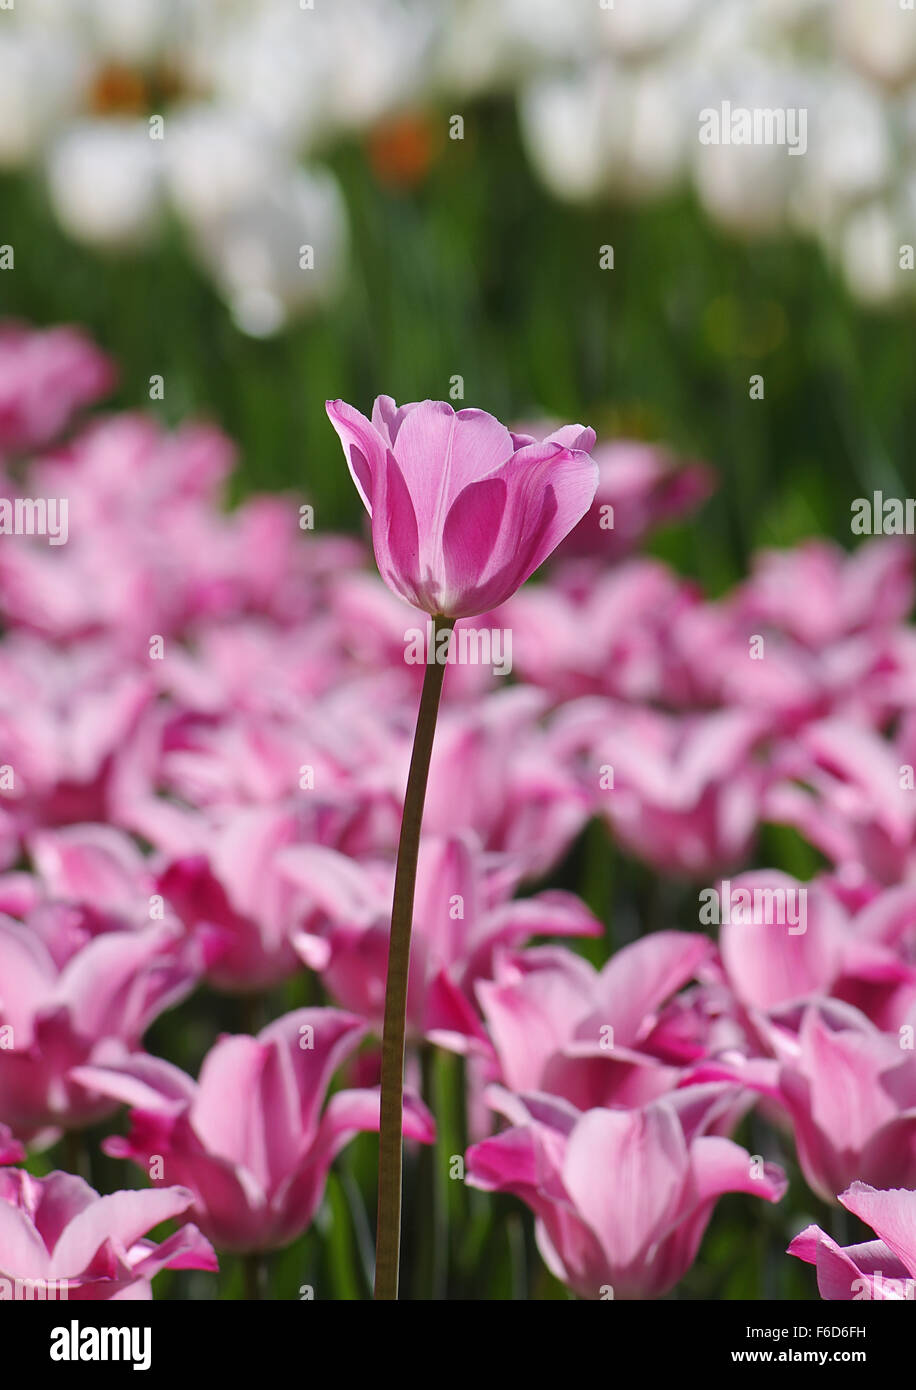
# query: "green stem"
{"type": "Point", "coordinates": [388, 1233]}
{"type": "Point", "coordinates": [76, 1154]}
{"type": "Point", "coordinates": [251, 1009]}
{"type": "Point", "coordinates": [254, 1273]}
{"type": "Point", "coordinates": [432, 1182]}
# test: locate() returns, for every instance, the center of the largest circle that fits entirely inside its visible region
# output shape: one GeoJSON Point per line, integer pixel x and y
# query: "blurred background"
{"type": "Point", "coordinates": [269, 205]}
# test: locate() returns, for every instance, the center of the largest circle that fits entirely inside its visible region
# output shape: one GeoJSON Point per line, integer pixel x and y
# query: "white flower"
{"type": "Point", "coordinates": [634, 29]}
{"type": "Point", "coordinates": [217, 159]}
{"type": "Point", "coordinates": [879, 38]}
{"type": "Point", "coordinates": [105, 181]}
{"type": "Point", "coordinates": [850, 157]}
{"type": "Point", "coordinates": [279, 253]}
{"type": "Point", "coordinates": [490, 43]}
{"type": "Point", "coordinates": [40, 84]}
{"type": "Point", "coordinates": [564, 125]}
{"type": "Point", "coordinates": [83, 85]}
{"type": "Point", "coordinates": [607, 128]}
{"type": "Point", "coordinates": [869, 250]}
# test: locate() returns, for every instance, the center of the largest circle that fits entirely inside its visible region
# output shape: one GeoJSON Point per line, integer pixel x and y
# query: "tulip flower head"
{"type": "Point", "coordinates": [462, 511]}
{"type": "Point", "coordinates": [622, 1197]}
{"type": "Point", "coordinates": [252, 1141]}
{"type": "Point", "coordinates": [59, 1237]}
{"type": "Point", "coordinates": [875, 1271]}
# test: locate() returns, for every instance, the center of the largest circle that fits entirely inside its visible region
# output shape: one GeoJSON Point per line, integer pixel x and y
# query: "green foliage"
{"type": "Point", "coordinates": [478, 272]}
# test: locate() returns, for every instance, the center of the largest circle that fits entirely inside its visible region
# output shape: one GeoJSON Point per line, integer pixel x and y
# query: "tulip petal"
{"type": "Point", "coordinates": [440, 452]}
{"type": "Point", "coordinates": [642, 1161]}
{"type": "Point", "coordinates": [892, 1215]}
{"type": "Point", "coordinates": [364, 448]}
{"type": "Point", "coordinates": [122, 1217]}
{"type": "Point", "coordinates": [395, 538]}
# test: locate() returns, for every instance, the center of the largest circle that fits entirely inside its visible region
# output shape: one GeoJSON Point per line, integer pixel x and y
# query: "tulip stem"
{"type": "Point", "coordinates": [254, 1272]}
{"type": "Point", "coordinates": [76, 1153]}
{"type": "Point", "coordinates": [388, 1232]}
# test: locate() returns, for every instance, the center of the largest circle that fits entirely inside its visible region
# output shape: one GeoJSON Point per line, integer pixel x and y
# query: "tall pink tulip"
{"type": "Point", "coordinates": [462, 513]}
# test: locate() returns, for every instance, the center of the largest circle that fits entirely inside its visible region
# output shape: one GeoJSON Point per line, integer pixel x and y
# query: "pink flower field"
{"type": "Point", "coordinates": [660, 980]}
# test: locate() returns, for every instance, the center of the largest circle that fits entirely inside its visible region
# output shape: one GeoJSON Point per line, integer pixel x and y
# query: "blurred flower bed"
{"type": "Point", "coordinates": [207, 112]}
{"type": "Point", "coordinates": [205, 720]}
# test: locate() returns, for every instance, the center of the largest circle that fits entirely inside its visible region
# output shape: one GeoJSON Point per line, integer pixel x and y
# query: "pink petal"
{"type": "Point", "coordinates": [626, 1172]}
{"type": "Point", "coordinates": [121, 1217]}
{"type": "Point", "coordinates": [892, 1215]}
{"type": "Point", "coordinates": [364, 448]}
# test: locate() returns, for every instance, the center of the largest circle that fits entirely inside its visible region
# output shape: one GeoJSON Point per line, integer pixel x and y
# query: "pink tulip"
{"type": "Point", "coordinates": [622, 1197]}
{"type": "Point", "coordinates": [781, 940]}
{"type": "Point", "coordinates": [681, 792]}
{"type": "Point", "coordinates": [883, 1269]}
{"type": "Point", "coordinates": [65, 714]}
{"type": "Point", "coordinates": [828, 624]}
{"type": "Point", "coordinates": [498, 771]}
{"type": "Point", "coordinates": [45, 377]}
{"type": "Point", "coordinates": [247, 911]}
{"type": "Point", "coordinates": [462, 513]}
{"type": "Point", "coordinates": [848, 1089]}
{"type": "Point", "coordinates": [97, 868]}
{"type": "Point", "coordinates": [59, 1237]}
{"type": "Point", "coordinates": [605, 633]}
{"type": "Point", "coordinates": [559, 1025]}
{"type": "Point", "coordinates": [863, 959]}
{"type": "Point", "coordinates": [851, 1093]}
{"type": "Point", "coordinates": [748, 650]}
{"type": "Point", "coordinates": [818, 594]}
{"type": "Point", "coordinates": [646, 488]}
{"type": "Point", "coordinates": [880, 974]}
{"type": "Point", "coordinates": [249, 1138]}
{"type": "Point", "coordinates": [66, 996]}
{"type": "Point", "coordinates": [845, 792]}
{"type": "Point", "coordinates": [11, 1151]}
{"type": "Point", "coordinates": [462, 917]}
